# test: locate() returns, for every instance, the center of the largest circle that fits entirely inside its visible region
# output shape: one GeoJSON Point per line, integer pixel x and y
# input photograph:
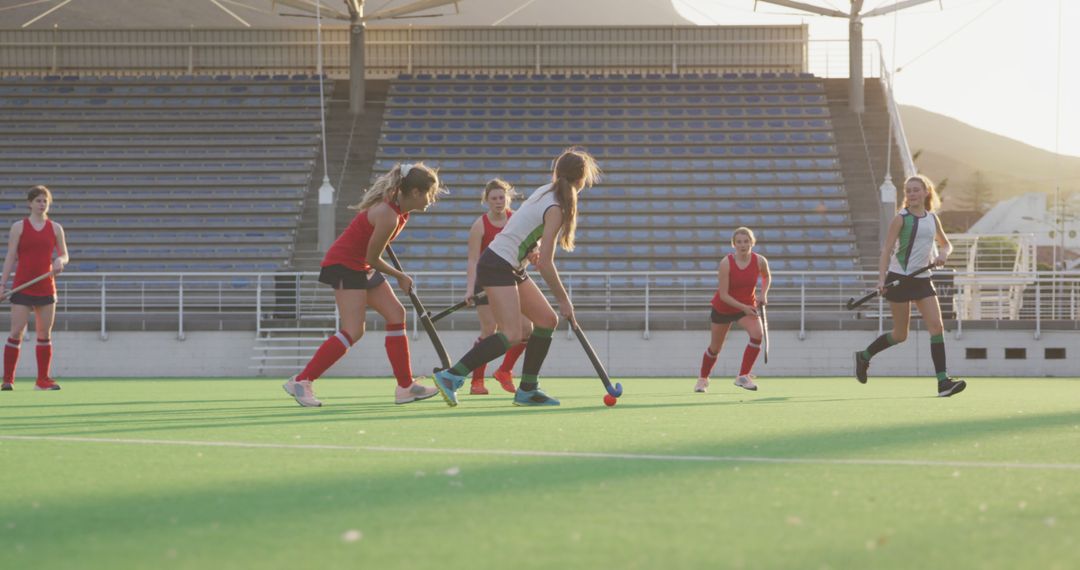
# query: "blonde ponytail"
{"type": "Point", "coordinates": [571, 167]}
{"type": "Point", "coordinates": [567, 198]}
{"type": "Point", "coordinates": [400, 178]}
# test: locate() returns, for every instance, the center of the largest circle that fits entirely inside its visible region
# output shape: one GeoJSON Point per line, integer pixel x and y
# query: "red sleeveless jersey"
{"type": "Point", "coordinates": [491, 230]}
{"type": "Point", "coordinates": [350, 248]}
{"type": "Point", "coordinates": [741, 284]}
{"type": "Point", "coordinates": [36, 257]}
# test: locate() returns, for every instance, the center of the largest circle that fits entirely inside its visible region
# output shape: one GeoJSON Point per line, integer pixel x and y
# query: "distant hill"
{"type": "Point", "coordinates": [120, 14]}
{"type": "Point", "coordinates": [955, 150]}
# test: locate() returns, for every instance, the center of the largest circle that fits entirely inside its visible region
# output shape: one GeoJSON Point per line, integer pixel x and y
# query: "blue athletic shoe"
{"type": "Point", "coordinates": [533, 398]}
{"type": "Point", "coordinates": [448, 383]}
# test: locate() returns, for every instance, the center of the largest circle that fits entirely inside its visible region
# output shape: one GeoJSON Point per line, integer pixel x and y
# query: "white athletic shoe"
{"type": "Point", "coordinates": [702, 385]}
{"type": "Point", "coordinates": [746, 382]}
{"type": "Point", "coordinates": [414, 393]}
{"type": "Point", "coordinates": [302, 392]}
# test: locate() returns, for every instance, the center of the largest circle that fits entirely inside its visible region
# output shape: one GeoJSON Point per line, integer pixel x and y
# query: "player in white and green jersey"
{"type": "Point", "coordinates": [548, 218]}
{"type": "Point", "coordinates": [912, 243]}
{"type": "Point", "coordinates": [522, 232]}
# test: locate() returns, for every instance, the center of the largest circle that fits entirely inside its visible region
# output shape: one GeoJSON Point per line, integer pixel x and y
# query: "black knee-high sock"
{"type": "Point", "coordinates": [535, 353]}
{"type": "Point", "coordinates": [880, 343]}
{"type": "Point", "coordinates": [481, 353]}
{"type": "Point", "coordinates": [937, 353]}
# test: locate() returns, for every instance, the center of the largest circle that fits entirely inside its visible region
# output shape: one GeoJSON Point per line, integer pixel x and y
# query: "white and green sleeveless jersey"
{"type": "Point", "coordinates": [916, 246]}
{"type": "Point", "coordinates": [525, 228]}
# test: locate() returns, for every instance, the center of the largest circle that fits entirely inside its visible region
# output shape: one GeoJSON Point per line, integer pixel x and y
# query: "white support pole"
{"type": "Point", "coordinates": [802, 309]}
{"type": "Point", "coordinates": [103, 334]}
{"type": "Point", "coordinates": [180, 310]}
{"type": "Point", "coordinates": [645, 335]}
{"type": "Point", "coordinates": [1038, 306]}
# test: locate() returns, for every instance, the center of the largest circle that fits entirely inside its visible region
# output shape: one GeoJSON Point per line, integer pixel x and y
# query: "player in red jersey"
{"type": "Point", "coordinates": [735, 301]}
{"type": "Point", "coordinates": [498, 196]}
{"type": "Point", "coordinates": [354, 267]}
{"type": "Point", "coordinates": [32, 243]}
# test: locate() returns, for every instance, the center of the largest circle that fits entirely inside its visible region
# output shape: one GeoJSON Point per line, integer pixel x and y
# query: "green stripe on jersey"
{"type": "Point", "coordinates": [529, 241]}
{"type": "Point", "coordinates": [907, 235]}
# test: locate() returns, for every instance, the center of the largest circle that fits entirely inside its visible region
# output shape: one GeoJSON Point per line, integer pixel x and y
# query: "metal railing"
{"type": "Point", "coordinates": [899, 136]}
{"type": "Point", "coordinates": [409, 49]}
{"type": "Point", "coordinates": [642, 301]}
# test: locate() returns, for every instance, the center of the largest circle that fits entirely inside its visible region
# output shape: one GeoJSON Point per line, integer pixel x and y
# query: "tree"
{"type": "Point", "coordinates": [976, 196]}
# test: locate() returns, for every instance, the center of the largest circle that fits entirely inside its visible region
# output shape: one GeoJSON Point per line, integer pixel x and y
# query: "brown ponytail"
{"type": "Point", "coordinates": [573, 166]}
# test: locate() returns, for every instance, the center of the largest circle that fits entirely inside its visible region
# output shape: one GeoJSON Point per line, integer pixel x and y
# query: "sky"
{"type": "Point", "coordinates": [993, 64]}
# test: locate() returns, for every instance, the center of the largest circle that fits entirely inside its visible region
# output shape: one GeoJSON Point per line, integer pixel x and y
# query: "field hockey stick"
{"type": "Point", "coordinates": [456, 307]}
{"type": "Point", "coordinates": [615, 390]}
{"type": "Point", "coordinates": [764, 331]}
{"type": "Point", "coordinates": [425, 316]}
{"type": "Point", "coordinates": [7, 294]}
{"type": "Point", "coordinates": [853, 302]}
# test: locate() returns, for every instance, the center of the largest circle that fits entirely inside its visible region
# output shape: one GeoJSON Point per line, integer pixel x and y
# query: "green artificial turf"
{"type": "Point", "coordinates": [666, 479]}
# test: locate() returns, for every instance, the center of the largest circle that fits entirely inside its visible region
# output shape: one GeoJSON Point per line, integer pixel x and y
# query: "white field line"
{"type": "Point", "coordinates": [556, 454]}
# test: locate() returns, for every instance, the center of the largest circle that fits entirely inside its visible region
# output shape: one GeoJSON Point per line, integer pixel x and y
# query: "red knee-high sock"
{"type": "Point", "coordinates": [331, 350]}
{"type": "Point", "coordinates": [707, 361]}
{"type": "Point", "coordinates": [44, 358]}
{"type": "Point", "coordinates": [11, 359]}
{"type": "Point", "coordinates": [397, 350]}
{"type": "Point", "coordinates": [512, 355]}
{"type": "Point", "coordinates": [479, 372]}
{"type": "Point", "coordinates": [750, 355]}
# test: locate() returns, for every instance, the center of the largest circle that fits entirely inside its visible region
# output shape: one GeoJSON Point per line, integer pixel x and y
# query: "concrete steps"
{"type": "Point", "coordinates": [351, 144]}
{"type": "Point", "coordinates": [862, 142]}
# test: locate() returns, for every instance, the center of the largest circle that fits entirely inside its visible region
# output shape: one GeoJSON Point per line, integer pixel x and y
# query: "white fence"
{"type": "Point", "coordinates": [640, 301]}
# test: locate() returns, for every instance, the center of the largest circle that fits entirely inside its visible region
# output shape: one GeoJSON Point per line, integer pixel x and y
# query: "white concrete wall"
{"type": "Point", "coordinates": [626, 354]}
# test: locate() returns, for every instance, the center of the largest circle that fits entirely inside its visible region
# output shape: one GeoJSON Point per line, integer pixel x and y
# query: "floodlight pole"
{"type": "Point", "coordinates": [326, 191]}
{"type": "Point", "coordinates": [855, 37]}
{"type": "Point", "coordinates": [357, 33]}
{"type": "Point", "coordinates": [856, 100]}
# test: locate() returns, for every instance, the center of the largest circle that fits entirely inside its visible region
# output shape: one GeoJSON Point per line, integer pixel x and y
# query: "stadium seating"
{"type": "Point", "coordinates": [164, 173]}
{"type": "Point", "coordinates": [686, 160]}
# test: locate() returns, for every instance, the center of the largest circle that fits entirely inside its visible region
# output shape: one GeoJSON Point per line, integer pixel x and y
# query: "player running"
{"type": "Point", "coordinates": [736, 301]}
{"type": "Point", "coordinates": [912, 242]}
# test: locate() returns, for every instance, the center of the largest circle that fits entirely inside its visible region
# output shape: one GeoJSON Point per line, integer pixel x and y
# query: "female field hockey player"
{"type": "Point", "coordinates": [353, 266]}
{"type": "Point", "coordinates": [498, 196]}
{"type": "Point", "coordinates": [547, 217]}
{"type": "Point", "coordinates": [736, 301]}
{"type": "Point", "coordinates": [31, 244]}
{"type": "Point", "coordinates": [914, 235]}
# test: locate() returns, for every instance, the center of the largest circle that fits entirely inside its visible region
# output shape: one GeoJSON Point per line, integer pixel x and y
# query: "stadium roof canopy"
{"type": "Point", "coordinates": [135, 14]}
